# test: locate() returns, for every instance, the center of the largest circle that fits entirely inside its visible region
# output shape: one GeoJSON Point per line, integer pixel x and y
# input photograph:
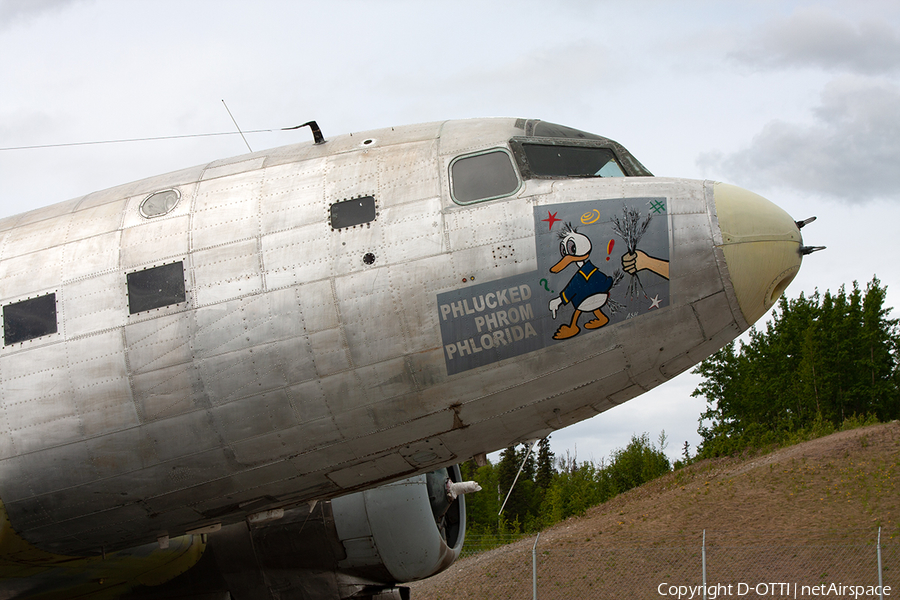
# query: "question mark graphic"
{"type": "Point", "coordinates": [544, 282]}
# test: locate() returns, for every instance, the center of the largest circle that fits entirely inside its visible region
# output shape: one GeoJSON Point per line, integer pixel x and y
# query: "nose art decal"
{"type": "Point", "coordinates": [568, 295]}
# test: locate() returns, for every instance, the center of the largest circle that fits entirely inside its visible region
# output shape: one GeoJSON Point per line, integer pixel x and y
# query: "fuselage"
{"type": "Point", "coordinates": [300, 323]}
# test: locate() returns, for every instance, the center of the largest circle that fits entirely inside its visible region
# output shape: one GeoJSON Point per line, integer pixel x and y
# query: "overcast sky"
{"type": "Point", "coordinates": [798, 101]}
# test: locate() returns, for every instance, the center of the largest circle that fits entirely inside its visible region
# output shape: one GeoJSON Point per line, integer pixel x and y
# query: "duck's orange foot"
{"type": "Point", "coordinates": [597, 323]}
{"type": "Point", "coordinates": [565, 332]}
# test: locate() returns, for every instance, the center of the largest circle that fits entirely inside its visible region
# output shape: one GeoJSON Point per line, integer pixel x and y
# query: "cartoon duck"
{"type": "Point", "coordinates": [587, 290]}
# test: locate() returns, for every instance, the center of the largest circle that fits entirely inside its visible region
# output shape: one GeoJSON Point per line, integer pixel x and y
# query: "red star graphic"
{"type": "Point", "coordinates": [551, 218]}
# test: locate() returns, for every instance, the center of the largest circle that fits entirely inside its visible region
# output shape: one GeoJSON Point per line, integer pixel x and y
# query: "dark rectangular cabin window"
{"type": "Point", "coordinates": [29, 319]}
{"type": "Point", "coordinates": [155, 287]}
{"type": "Point", "coordinates": [352, 212]}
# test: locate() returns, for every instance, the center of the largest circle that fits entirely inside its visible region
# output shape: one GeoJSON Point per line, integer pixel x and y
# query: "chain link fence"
{"type": "Point", "coordinates": [703, 565]}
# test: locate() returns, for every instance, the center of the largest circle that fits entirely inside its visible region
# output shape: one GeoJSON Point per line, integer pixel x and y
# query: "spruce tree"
{"type": "Point", "coordinates": [819, 360]}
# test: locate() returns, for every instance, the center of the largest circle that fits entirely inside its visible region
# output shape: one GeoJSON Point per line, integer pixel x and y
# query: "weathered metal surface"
{"type": "Point", "coordinates": [307, 361]}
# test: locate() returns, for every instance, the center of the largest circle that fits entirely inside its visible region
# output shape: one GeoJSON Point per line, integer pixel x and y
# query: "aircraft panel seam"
{"type": "Point", "coordinates": [224, 244]}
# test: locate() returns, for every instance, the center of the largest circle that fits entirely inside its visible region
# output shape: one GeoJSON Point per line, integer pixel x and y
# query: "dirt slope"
{"type": "Point", "coordinates": [834, 487]}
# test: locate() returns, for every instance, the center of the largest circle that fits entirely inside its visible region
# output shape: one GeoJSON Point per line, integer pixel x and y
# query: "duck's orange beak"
{"type": "Point", "coordinates": [565, 261]}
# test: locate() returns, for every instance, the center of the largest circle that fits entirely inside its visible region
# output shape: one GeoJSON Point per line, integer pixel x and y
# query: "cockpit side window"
{"type": "Point", "coordinates": [545, 160]}
{"type": "Point", "coordinates": [483, 176]}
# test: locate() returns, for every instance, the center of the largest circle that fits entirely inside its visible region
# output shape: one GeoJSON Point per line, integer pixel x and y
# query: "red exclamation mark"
{"type": "Point", "coordinates": [609, 248]}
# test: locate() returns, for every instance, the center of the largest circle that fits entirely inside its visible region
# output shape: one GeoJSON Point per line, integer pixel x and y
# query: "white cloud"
{"type": "Point", "coordinates": [819, 37]}
{"type": "Point", "coordinates": [15, 10]}
{"type": "Point", "coordinates": [848, 153]}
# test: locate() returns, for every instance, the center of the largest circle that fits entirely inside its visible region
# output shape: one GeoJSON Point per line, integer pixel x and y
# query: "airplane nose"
{"type": "Point", "coordinates": [761, 243]}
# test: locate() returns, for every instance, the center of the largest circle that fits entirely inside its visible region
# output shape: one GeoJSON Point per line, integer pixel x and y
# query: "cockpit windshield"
{"type": "Point", "coordinates": [551, 151]}
{"type": "Point", "coordinates": [571, 161]}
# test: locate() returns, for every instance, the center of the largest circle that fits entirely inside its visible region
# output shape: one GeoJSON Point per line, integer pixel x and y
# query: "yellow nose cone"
{"type": "Point", "coordinates": [761, 243]}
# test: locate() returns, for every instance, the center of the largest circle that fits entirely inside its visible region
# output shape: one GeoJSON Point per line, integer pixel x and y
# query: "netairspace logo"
{"type": "Point", "coordinates": [772, 590]}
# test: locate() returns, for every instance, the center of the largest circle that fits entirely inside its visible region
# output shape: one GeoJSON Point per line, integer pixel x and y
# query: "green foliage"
{"type": "Point", "coordinates": [546, 494]}
{"type": "Point", "coordinates": [575, 489]}
{"type": "Point", "coordinates": [481, 508]}
{"type": "Point", "coordinates": [543, 476]}
{"type": "Point", "coordinates": [820, 361]}
{"type": "Point", "coordinates": [636, 464]}
{"type": "Point", "coordinates": [820, 428]}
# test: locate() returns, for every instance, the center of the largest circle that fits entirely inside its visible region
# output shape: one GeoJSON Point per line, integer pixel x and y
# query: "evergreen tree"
{"type": "Point", "coordinates": [543, 476]}
{"type": "Point", "coordinates": [482, 507]}
{"type": "Point", "coordinates": [820, 359]}
{"type": "Point", "coordinates": [528, 461]}
{"type": "Point", "coordinates": [516, 510]}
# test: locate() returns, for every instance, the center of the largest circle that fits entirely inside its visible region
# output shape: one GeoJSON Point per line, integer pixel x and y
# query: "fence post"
{"type": "Point", "coordinates": [703, 555]}
{"type": "Point", "coordinates": [534, 566]}
{"type": "Point", "coordinates": [878, 552]}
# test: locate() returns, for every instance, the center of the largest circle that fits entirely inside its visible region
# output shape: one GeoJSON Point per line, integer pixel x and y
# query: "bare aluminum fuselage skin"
{"type": "Point", "coordinates": [295, 370]}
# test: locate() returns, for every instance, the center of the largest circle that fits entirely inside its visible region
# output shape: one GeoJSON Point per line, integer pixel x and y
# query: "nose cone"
{"type": "Point", "coordinates": [761, 243]}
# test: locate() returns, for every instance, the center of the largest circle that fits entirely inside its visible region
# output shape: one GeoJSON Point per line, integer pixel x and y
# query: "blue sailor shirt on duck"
{"type": "Point", "coordinates": [588, 281]}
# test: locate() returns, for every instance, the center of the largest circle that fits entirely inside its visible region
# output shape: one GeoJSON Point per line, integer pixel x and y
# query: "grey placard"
{"type": "Point", "coordinates": [484, 323]}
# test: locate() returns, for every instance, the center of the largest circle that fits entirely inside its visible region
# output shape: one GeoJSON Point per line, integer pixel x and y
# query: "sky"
{"type": "Point", "coordinates": [797, 101]}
